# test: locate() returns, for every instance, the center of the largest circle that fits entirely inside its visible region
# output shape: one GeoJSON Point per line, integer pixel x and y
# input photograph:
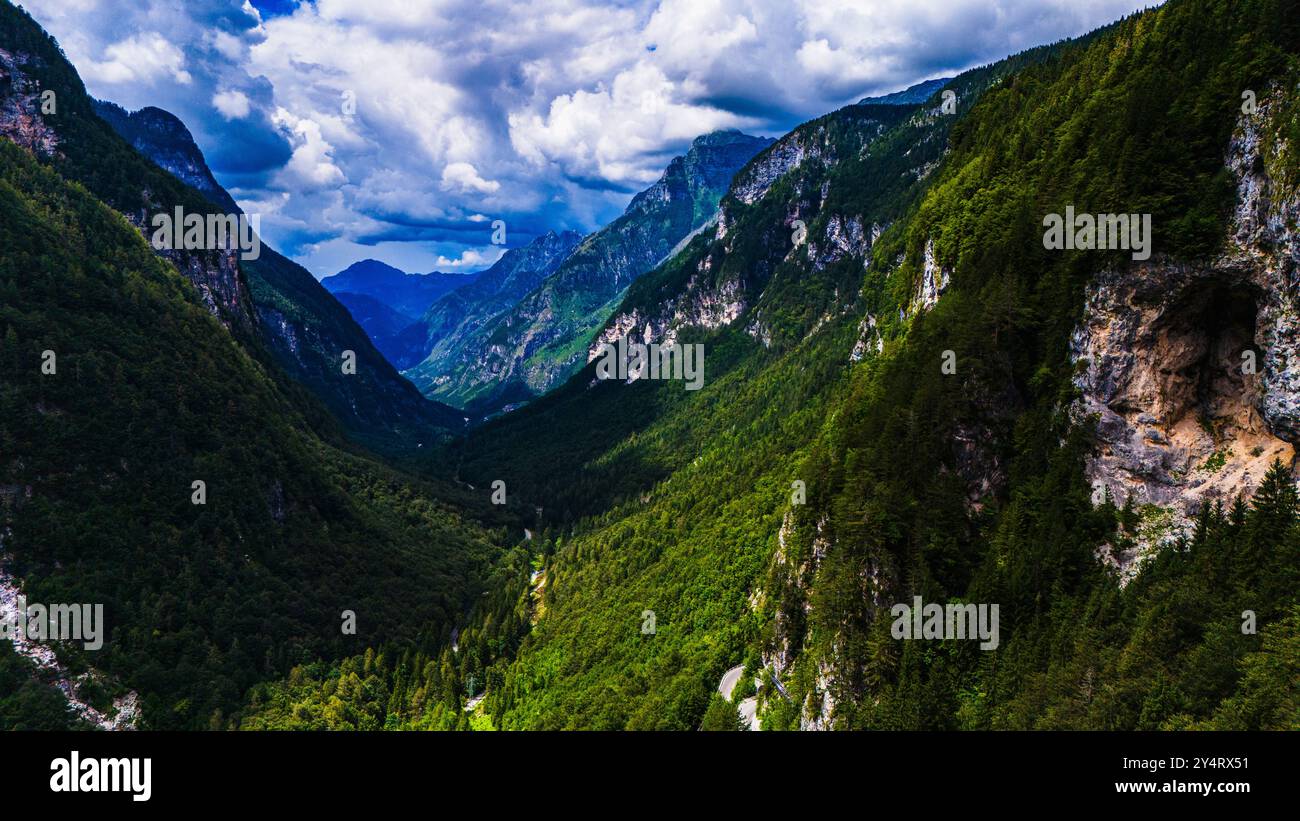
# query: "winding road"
{"type": "Point", "coordinates": [749, 707]}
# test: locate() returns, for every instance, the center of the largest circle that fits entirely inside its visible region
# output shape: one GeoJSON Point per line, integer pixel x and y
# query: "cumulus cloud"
{"type": "Point", "coordinates": [617, 135]}
{"type": "Point", "coordinates": [142, 58]}
{"type": "Point", "coordinates": [463, 177]}
{"type": "Point", "coordinates": [368, 126]}
{"type": "Point", "coordinates": [311, 166]}
{"type": "Point", "coordinates": [233, 105]}
{"type": "Point", "coordinates": [472, 260]}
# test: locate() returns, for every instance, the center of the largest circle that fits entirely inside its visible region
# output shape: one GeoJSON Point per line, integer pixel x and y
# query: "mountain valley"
{"type": "Point", "coordinates": [907, 394]}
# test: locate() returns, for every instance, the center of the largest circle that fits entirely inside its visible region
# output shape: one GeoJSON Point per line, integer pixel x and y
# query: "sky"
{"type": "Point", "coordinates": [402, 129]}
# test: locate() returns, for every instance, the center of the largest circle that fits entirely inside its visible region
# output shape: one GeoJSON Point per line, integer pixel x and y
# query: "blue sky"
{"type": "Point", "coordinates": [400, 129]}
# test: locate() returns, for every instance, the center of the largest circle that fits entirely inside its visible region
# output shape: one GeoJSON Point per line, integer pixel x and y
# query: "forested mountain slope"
{"type": "Point", "coordinates": [271, 303]}
{"type": "Point", "coordinates": [449, 323]}
{"type": "Point", "coordinates": [149, 395]}
{"type": "Point", "coordinates": [679, 545]}
{"type": "Point", "coordinates": [153, 461]}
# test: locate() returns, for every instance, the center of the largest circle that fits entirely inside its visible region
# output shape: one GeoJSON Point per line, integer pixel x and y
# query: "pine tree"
{"type": "Point", "coordinates": [1273, 517]}
{"type": "Point", "coordinates": [721, 715]}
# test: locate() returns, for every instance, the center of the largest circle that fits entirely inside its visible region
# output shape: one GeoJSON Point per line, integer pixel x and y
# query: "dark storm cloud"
{"type": "Point", "coordinates": [547, 114]}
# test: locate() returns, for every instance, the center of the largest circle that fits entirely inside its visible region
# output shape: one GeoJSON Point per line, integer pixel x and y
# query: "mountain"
{"type": "Point", "coordinates": [150, 395]}
{"type": "Point", "coordinates": [919, 396]}
{"type": "Point", "coordinates": [912, 95]}
{"type": "Point", "coordinates": [163, 138]}
{"type": "Point", "coordinates": [84, 148]}
{"type": "Point", "coordinates": [380, 322]}
{"type": "Point", "coordinates": [377, 319]}
{"type": "Point", "coordinates": [308, 333]}
{"type": "Point", "coordinates": [272, 304]}
{"type": "Point", "coordinates": [542, 340]}
{"type": "Point", "coordinates": [915, 395]}
{"type": "Point", "coordinates": [155, 463]}
{"type": "Point", "coordinates": [407, 294]}
{"type": "Point", "coordinates": [454, 317]}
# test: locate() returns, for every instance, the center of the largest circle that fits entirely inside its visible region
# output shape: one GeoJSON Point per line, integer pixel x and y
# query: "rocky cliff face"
{"type": "Point", "coordinates": [700, 305]}
{"type": "Point", "coordinates": [812, 236]}
{"type": "Point", "coordinates": [1191, 370]}
{"type": "Point", "coordinates": [220, 282]}
{"type": "Point", "coordinates": [20, 107]}
{"type": "Point", "coordinates": [164, 139]}
{"type": "Point", "coordinates": [819, 143]}
{"type": "Point", "coordinates": [779, 160]}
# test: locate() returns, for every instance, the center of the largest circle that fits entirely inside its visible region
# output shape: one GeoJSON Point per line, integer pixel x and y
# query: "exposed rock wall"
{"type": "Point", "coordinates": [1191, 370]}
{"type": "Point", "coordinates": [20, 107]}
{"type": "Point", "coordinates": [699, 305]}
{"type": "Point", "coordinates": [933, 283]}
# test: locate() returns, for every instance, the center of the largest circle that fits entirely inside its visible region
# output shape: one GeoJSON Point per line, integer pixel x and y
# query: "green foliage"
{"type": "Point", "coordinates": [151, 393]}
{"type": "Point", "coordinates": [677, 503]}
{"type": "Point", "coordinates": [669, 545]}
{"type": "Point", "coordinates": [292, 325]}
{"type": "Point", "coordinates": [722, 715]}
{"type": "Point", "coordinates": [26, 702]}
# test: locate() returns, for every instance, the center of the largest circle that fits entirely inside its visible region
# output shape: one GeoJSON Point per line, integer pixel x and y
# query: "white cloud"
{"type": "Point", "coordinates": [546, 113]}
{"type": "Point", "coordinates": [228, 45]}
{"type": "Point", "coordinates": [233, 105]}
{"type": "Point", "coordinates": [472, 260]}
{"type": "Point", "coordinates": [616, 134]}
{"type": "Point", "coordinates": [311, 167]}
{"type": "Point", "coordinates": [142, 58]}
{"type": "Point", "coordinates": [463, 177]}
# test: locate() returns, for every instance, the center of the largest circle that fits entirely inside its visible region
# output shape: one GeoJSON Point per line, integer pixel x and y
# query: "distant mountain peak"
{"type": "Point", "coordinates": [724, 136]}
{"type": "Point", "coordinates": [521, 345]}
{"type": "Point", "coordinates": [408, 294]}
{"type": "Point", "coordinates": [912, 95]}
{"type": "Point", "coordinates": [702, 174]}
{"type": "Point", "coordinates": [163, 138]}
{"type": "Point", "coordinates": [372, 267]}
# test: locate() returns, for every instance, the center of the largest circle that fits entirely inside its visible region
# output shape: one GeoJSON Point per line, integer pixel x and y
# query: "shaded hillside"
{"type": "Point", "coordinates": [407, 294]}
{"type": "Point", "coordinates": [825, 366]}
{"type": "Point", "coordinates": [452, 320]}
{"type": "Point", "coordinates": [271, 304]}
{"type": "Point", "coordinates": [149, 394]}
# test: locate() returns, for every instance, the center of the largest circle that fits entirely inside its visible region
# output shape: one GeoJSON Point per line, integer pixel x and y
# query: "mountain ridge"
{"type": "Point", "coordinates": [453, 317]}
{"type": "Point", "coordinates": [163, 138]}
{"type": "Point", "coordinates": [406, 293]}
{"type": "Point", "coordinates": [272, 304]}
{"type": "Point", "coordinates": [541, 340]}
{"type": "Point", "coordinates": [912, 95]}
